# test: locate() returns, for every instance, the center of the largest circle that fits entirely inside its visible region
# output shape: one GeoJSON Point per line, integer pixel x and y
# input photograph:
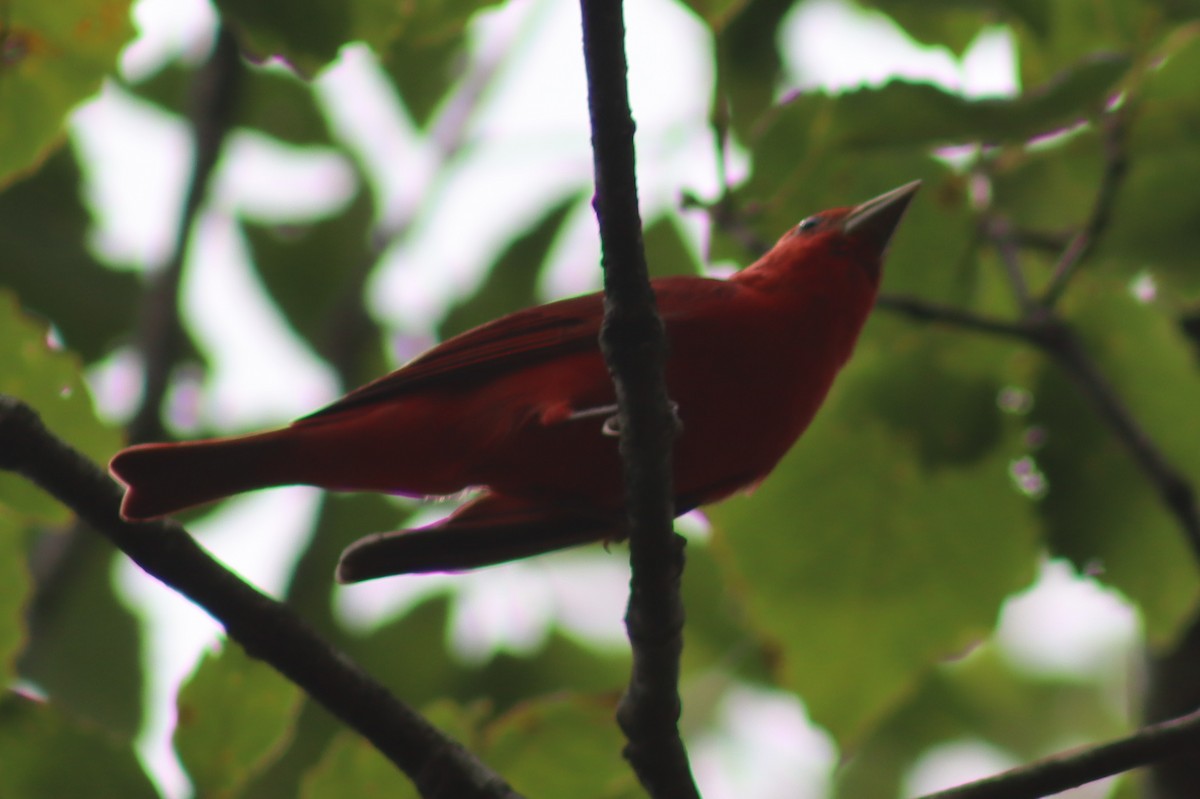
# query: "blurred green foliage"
{"type": "Point", "coordinates": [858, 576]}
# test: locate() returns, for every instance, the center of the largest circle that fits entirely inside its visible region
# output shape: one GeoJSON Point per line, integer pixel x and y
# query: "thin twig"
{"type": "Point", "coordinates": [924, 311]}
{"type": "Point", "coordinates": [160, 335]}
{"type": "Point", "coordinates": [440, 767]}
{"type": "Point", "coordinates": [1000, 232]}
{"type": "Point", "coordinates": [634, 346]}
{"type": "Point", "coordinates": [1116, 165]}
{"type": "Point", "coordinates": [1055, 774]}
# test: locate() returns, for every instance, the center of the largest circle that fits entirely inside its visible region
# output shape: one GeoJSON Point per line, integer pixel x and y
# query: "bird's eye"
{"type": "Point", "coordinates": [808, 224]}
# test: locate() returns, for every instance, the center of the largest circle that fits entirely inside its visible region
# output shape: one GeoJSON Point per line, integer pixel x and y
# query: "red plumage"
{"type": "Point", "coordinates": [518, 408]}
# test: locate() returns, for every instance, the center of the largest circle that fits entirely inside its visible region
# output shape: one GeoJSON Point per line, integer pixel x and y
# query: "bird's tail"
{"type": "Point", "coordinates": [164, 478]}
{"type": "Point", "coordinates": [491, 529]}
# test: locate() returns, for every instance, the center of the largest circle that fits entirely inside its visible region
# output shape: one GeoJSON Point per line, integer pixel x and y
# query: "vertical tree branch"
{"type": "Point", "coordinates": [634, 346]}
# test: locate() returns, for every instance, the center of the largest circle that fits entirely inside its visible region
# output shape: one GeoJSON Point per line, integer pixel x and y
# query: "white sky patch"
{"type": "Point", "coordinates": [1067, 625]}
{"type": "Point", "coordinates": [953, 764]}
{"type": "Point", "coordinates": [763, 746]}
{"type": "Point", "coordinates": [838, 46]}
{"type": "Point", "coordinates": [262, 373]}
{"type": "Point", "coordinates": [258, 537]}
{"type": "Point", "coordinates": [509, 607]}
{"type": "Point", "coordinates": [168, 29]}
{"type": "Point", "coordinates": [361, 106]}
{"type": "Point", "coordinates": [135, 163]}
{"type": "Point", "coordinates": [269, 181]}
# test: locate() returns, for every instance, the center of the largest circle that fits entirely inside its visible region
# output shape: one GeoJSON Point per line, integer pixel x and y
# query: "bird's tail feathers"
{"type": "Point", "coordinates": [162, 479]}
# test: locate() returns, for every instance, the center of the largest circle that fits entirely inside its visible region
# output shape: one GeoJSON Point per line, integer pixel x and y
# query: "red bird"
{"type": "Point", "coordinates": [521, 409]}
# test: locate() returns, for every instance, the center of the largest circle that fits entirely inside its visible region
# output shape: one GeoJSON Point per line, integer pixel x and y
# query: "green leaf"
{"type": "Point", "coordinates": [351, 766]}
{"type": "Point", "coordinates": [668, 252]}
{"type": "Point", "coordinates": [1049, 189]}
{"type": "Point", "coordinates": [1153, 221]}
{"type": "Point", "coordinates": [15, 588]}
{"type": "Point", "coordinates": [44, 227]}
{"type": "Point", "coordinates": [52, 56]}
{"type": "Point", "coordinates": [49, 380]}
{"type": "Point", "coordinates": [511, 282]}
{"type": "Point", "coordinates": [562, 746]}
{"type": "Point", "coordinates": [234, 715]}
{"type": "Point", "coordinates": [48, 755]}
{"type": "Point", "coordinates": [1101, 511]}
{"type": "Point", "coordinates": [863, 564]}
{"type": "Point", "coordinates": [429, 671]}
{"type": "Point", "coordinates": [978, 698]}
{"type": "Point", "coordinates": [310, 40]}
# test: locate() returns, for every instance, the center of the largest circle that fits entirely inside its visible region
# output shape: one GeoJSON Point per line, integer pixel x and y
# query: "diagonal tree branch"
{"type": "Point", "coordinates": [440, 767]}
{"type": "Point", "coordinates": [1070, 769]}
{"type": "Point", "coordinates": [1116, 165]}
{"type": "Point", "coordinates": [634, 346]}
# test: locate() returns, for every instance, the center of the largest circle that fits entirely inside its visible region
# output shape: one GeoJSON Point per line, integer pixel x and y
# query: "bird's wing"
{"type": "Point", "coordinates": [529, 336]}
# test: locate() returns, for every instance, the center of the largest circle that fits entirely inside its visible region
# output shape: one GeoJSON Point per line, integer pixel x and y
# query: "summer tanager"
{"type": "Point", "coordinates": [522, 409]}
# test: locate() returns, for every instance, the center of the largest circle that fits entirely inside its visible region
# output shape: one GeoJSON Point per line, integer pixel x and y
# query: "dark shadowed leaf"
{"type": "Point", "coordinates": [270, 100]}
{"type": "Point", "coordinates": [15, 587]}
{"type": "Point", "coordinates": [1101, 511]}
{"type": "Point", "coordinates": [748, 64]}
{"type": "Point", "coordinates": [311, 38]}
{"type": "Point", "coordinates": [45, 260]}
{"type": "Point", "coordinates": [46, 754]}
{"type": "Point", "coordinates": [979, 699]}
{"type": "Point", "coordinates": [315, 272]}
{"type": "Point", "coordinates": [717, 13]}
{"type": "Point", "coordinates": [85, 646]}
{"type": "Point", "coordinates": [424, 72]}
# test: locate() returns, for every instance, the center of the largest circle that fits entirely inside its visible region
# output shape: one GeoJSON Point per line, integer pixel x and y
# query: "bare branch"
{"type": "Point", "coordinates": [439, 766]}
{"type": "Point", "coordinates": [160, 334]}
{"type": "Point", "coordinates": [1116, 165]}
{"type": "Point", "coordinates": [923, 311]}
{"type": "Point", "coordinates": [1070, 769]}
{"type": "Point", "coordinates": [634, 346]}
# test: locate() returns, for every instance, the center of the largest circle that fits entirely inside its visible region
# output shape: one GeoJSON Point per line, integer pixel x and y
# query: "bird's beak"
{"type": "Point", "coordinates": [875, 220]}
